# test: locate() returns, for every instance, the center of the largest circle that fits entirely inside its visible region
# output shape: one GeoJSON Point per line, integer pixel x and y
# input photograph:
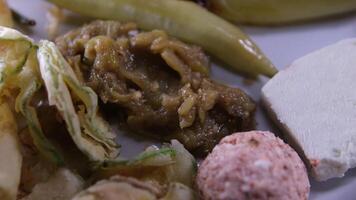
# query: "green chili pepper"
{"type": "Point", "coordinates": [184, 20]}
{"type": "Point", "coordinates": [267, 12]}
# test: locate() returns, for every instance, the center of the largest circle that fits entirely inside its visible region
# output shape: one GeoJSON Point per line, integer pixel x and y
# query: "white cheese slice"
{"type": "Point", "coordinates": [314, 101]}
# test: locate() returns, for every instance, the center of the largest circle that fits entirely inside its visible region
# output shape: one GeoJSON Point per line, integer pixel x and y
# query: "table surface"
{"type": "Point", "coordinates": [281, 44]}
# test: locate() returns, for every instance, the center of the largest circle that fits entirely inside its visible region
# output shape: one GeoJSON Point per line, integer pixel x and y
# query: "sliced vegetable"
{"type": "Point", "coordinates": [215, 35]}
{"type": "Point", "coordinates": [29, 83]}
{"type": "Point", "coordinates": [266, 12]}
{"type": "Point", "coordinates": [119, 187]}
{"type": "Point", "coordinates": [39, 139]}
{"type": "Point", "coordinates": [153, 156]}
{"type": "Point", "coordinates": [62, 185]}
{"type": "Point", "coordinates": [5, 14]}
{"type": "Point", "coordinates": [10, 154]}
{"type": "Point", "coordinates": [55, 17]}
{"type": "Point", "coordinates": [14, 49]}
{"type": "Point", "coordinates": [171, 163]}
{"type": "Point", "coordinates": [96, 140]}
{"type": "Point", "coordinates": [178, 191]}
{"type": "Point", "coordinates": [145, 166]}
{"type": "Point", "coordinates": [12, 34]}
{"type": "Point", "coordinates": [18, 69]}
{"type": "Point", "coordinates": [185, 167]}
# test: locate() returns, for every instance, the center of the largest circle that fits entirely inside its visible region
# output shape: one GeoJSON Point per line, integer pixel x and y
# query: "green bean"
{"type": "Point", "coordinates": [267, 12]}
{"type": "Point", "coordinates": [184, 20]}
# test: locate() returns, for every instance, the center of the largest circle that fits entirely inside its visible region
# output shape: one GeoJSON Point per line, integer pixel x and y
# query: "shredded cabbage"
{"type": "Point", "coordinates": [119, 187]}
{"type": "Point", "coordinates": [24, 69]}
{"type": "Point", "coordinates": [171, 163]}
{"type": "Point", "coordinates": [10, 154]}
{"type": "Point", "coordinates": [178, 191]}
{"type": "Point", "coordinates": [29, 83]}
{"type": "Point", "coordinates": [14, 50]}
{"type": "Point", "coordinates": [20, 68]}
{"type": "Point", "coordinates": [89, 131]}
{"type": "Point", "coordinates": [185, 166]}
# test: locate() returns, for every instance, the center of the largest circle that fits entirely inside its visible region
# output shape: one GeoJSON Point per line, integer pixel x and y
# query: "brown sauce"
{"type": "Point", "coordinates": [161, 84]}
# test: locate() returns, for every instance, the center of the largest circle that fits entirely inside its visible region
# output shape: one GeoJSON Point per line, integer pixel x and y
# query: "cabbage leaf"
{"type": "Point", "coordinates": [89, 131]}
{"type": "Point", "coordinates": [10, 154]}
{"type": "Point", "coordinates": [171, 163]}
{"type": "Point", "coordinates": [29, 82]}
{"type": "Point", "coordinates": [14, 50]}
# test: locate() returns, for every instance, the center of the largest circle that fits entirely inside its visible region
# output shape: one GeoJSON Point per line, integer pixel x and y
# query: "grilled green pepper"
{"type": "Point", "coordinates": [267, 12]}
{"type": "Point", "coordinates": [184, 20]}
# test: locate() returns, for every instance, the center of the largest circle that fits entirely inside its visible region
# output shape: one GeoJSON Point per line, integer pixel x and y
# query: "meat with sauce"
{"type": "Point", "coordinates": [161, 84]}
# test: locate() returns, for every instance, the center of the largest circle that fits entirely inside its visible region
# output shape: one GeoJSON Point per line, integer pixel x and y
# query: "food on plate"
{"type": "Point", "coordinates": [313, 101]}
{"type": "Point", "coordinates": [58, 142]}
{"type": "Point", "coordinates": [253, 165]}
{"type": "Point", "coordinates": [167, 173]}
{"type": "Point", "coordinates": [40, 86]}
{"type": "Point", "coordinates": [10, 154]}
{"type": "Point", "coordinates": [272, 12]}
{"type": "Point", "coordinates": [5, 14]}
{"type": "Point", "coordinates": [218, 37]}
{"type": "Point", "coordinates": [119, 187]}
{"type": "Point", "coordinates": [160, 83]}
{"type": "Point", "coordinates": [54, 16]}
{"type": "Point", "coordinates": [171, 163]}
{"type": "Point", "coordinates": [62, 185]}
{"type": "Point", "coordinates": [31, 73]}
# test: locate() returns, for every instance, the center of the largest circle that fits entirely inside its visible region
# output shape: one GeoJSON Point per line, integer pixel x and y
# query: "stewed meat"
{"type": "Point", "coordinates": [160, 83]}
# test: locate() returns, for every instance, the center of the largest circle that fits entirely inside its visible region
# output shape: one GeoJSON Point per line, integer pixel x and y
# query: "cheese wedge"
{"type": "Point", "coordinates": [314, 102]}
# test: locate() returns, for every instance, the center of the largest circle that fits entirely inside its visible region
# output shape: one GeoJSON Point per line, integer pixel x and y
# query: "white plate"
{"type": "Point", "coordinates": [281, 44]}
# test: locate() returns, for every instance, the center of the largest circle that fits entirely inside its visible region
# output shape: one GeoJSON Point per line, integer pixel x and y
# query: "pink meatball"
{"type": "Point", "coordinates": [253, 165]}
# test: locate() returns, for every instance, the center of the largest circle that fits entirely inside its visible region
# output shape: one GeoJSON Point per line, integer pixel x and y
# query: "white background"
{"type": "Point", "coordinates": [281, 44]}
